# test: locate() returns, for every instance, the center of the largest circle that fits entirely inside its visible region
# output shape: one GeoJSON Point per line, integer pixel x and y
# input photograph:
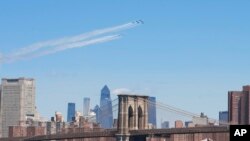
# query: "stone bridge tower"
{"type": "Point", "coordinates": [132, 115]}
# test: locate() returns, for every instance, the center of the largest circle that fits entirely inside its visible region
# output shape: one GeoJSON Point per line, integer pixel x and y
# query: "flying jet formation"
{"type": "Point", "coordinates": [139, 22]}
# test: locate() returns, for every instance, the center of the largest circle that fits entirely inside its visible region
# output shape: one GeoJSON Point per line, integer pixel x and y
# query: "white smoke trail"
{"type": "Point", "coordinates": [53, 46]}
{"type": "Point", "coordinates": [62, 47]}
{"type": "Point", "coordinates": [78, 45]}
{"type": "Point", "coordinates": [51, 43]}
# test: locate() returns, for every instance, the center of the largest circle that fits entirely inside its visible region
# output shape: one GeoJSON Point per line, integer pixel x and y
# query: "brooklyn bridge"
{"type": "Point", "coordinates": [133, 126]}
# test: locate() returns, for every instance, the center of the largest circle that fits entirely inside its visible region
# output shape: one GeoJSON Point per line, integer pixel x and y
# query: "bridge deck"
{"type": "Point", "coordinates": [180, 130]}
{"type": "Point", "coordinates": [146, 132]}
{"type": "Point", "coordinates": [93, 134]}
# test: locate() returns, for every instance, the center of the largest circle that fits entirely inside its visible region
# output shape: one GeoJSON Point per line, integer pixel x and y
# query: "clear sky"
{"type": "Point", "coordinates": [187, 54]}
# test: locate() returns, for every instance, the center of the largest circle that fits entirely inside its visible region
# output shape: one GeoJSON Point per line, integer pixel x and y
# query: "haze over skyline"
{"type": "Point", "coordinates": [188, 54]}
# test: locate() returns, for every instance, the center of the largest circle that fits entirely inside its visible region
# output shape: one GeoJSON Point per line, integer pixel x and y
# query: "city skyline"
{"type": "Point", "coordinates": [192, 53]}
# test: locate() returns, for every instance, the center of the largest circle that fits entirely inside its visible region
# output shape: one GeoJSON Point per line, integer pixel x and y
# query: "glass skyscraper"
{"type": "Point", "coordinates": [223, 117]}
{"type": "Point", "coordinates": [86, 106]}
{"type": "Point", "coordinates": [71, 111]}
{"type": "Point", "coordinates": [97, 111]}
{"type": "Point", "coordinates": [106, 113]}
{"type": "Point", "coordinates": [152, 111]}
{"type": "Point", "coordinates": [165, 124]}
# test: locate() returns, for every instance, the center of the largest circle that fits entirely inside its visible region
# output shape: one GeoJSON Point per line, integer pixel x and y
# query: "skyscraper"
{"type": "Point", "coordinates": [223, 117]}
{"type": "Point", "coordinates": [188, 123]}
{"type": "Point", "coordinates": [152, 111]}
{"type": "Point", "coordinates": [97, 112]}
{"type": "Point", "coordinates": [165, 124]}
{"type": "Point", "coordinates": [59, 117]}
{"type": "Point", "coordinates": [106, 113]}
{"type": "Point", "coordinates": [17, 102]}
{"type": "Point", "coordinates": [239, 106]}
{"type": "Point", "coordinates": [86, 106]}
{"type": "Point", "coordinates": [178, 124]}
{"type": "Point", "coordinates": [71, 111]}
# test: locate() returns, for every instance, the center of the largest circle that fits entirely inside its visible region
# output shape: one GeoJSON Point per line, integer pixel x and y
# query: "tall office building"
{"type": "Point", "coordinates": [86, 106]}
{"type": "Point", "coordinates": [97, 112]}
{"type": "Point", "coordinates": [17, 102]}
{"type": "Point", "coordinates": [165, 124]}
{"type": "Point", "coordinates": [188, 124]}
{"type": "Point", "coordinates": [71, 112]}
{"type": "Point", "coordinates": [178, 124]}
{"type": "Point", "coordinates": [223, 117]}
{"type": "Point", "coordinates": [239, 106]}
{"type": "Point", "coordinates": [152, 111]}
{"type": "Point", "coordinates": [59, 117]}
{"type": "Point", "coordinates": [106, 113]}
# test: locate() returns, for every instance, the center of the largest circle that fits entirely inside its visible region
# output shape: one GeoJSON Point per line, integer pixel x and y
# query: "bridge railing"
{"type": "Point", "coordinates": [76, 134]}
{"type": "Point", "coordinates": [181, 130]}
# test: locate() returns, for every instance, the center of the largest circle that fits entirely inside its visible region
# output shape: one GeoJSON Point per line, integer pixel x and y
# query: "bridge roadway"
{"type": "Point", "coordinates": [145, 132]}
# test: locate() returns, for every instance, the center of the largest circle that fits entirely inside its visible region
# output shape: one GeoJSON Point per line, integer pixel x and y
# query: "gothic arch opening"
{"type": "Point", "coordinates": [130, 117]}
{"type": "Point", "coordinates": [140, 118]}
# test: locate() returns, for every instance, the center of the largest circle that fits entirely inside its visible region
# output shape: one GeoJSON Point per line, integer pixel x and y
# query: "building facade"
{"type": "Point", "coordinates": [202, 120]}
{"type": "Point", "coordinates": [86, 106]}
{"type": "Point", "coordinates": [188, 124]}
{"type": "Point", "coordinates": [106, 113]}
{"type": "Point", "coordinates": [71, 111]}
{"type": "Point", "coordinates": [165, 124]}
{"type": "Point", "coordinates": [59, 117]}
{"type": "Point", "coordinates": [223, 117]}
{"type": "Point", "coordinates": [152, 111]}
{"type": "Point", "coordinates": [239, 106]}
{"type": "Point", "coordinates": [17, 102]}
{"type": "Point", "coordinates": [178, 124]}
{"type": "Point", "coordinates": [97, 112]}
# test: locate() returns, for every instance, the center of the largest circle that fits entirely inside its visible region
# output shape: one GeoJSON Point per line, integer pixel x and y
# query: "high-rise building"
{"type": "Point", "coordinates": [223, 117]}
{"type": "Point", "coordinates": [188, 123]}
{"type": "Point", "coordinates": [239, 106]}
{"type": "Point", "coordinates": [71, 112]}
{"type": "Point", "coordinates": [77, 116]}
{"type": "Point", "coordinates": [86, 106]}
{"type": "Point", "coordinates": [152, 111]}
{"type": "Point", "coordinates": [17, 102]}
{"type": "Point", "coordinates": [165, 124]}
{"type": "Point", "coordinates": [178, 124]}
{"type": "Point", "coordinates": [106, 113]}
{"type": "Point", "coordinates": [97, 112]}
{"type": "Point", "coordinates": [91, 117]}
{"type": "Point", "coordinates": [202, 120]}
{"type": "Point", "coordinates": [59, 117]}
{"type": "Point", "coordinates": [115, 122]}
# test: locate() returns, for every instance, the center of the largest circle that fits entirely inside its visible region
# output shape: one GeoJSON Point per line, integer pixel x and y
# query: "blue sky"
{"type": "Point", "coordinates": [188, 53]}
